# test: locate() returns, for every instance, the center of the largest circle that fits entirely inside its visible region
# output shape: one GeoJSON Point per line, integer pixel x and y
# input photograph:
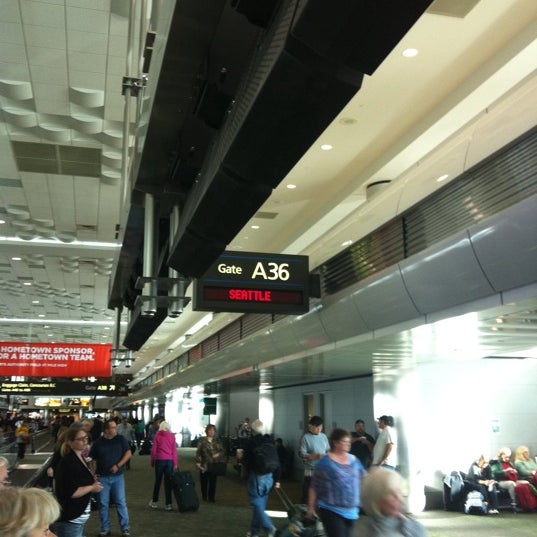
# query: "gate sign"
{"type": "Point", "coordinates": [249, 282]}
{"type": "Point", "coordinates": [54, 360]}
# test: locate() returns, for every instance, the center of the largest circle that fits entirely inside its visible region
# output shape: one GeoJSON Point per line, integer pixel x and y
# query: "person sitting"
{"type": "Point", "coordinates": [382, 501]}
{"type": "Point", "coordinates": [525, 465]}
{"type": "Point", "coordinates": [480, 478]}
{"type": "Point", "coordinates": [506, 475]}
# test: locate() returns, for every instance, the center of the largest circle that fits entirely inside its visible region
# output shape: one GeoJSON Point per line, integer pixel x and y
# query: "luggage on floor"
{"type": "Point", "coordinates": [525, 497]}
{"type": "Point", "coordinates": [298, 524]}
{"type": "Point", "coordinates": [145, 448]}
{"type": "Point", "coordinates": [184, 491]}
{"type": "Point", "coordinates": [474, 503]}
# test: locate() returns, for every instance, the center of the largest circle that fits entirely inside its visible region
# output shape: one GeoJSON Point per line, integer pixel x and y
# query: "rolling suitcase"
{"type": "Point", "coordinates": [184, 491]}
{"type": "Point", "coordinates": [298, 524]}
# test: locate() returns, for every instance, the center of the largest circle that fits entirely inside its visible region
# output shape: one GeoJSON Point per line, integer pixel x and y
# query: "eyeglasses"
{"type": "Point", "coordinates": [82, 439]}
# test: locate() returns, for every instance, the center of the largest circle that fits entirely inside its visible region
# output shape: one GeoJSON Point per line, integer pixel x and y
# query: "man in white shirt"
{"type": "Point", "coordinates": [385, 450]}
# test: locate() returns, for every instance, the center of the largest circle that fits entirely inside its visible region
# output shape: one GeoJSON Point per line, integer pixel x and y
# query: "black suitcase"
{"type": "Point", "coordinates": [184, 491]}
{"type": "Point", "coordinates": [145, 448]}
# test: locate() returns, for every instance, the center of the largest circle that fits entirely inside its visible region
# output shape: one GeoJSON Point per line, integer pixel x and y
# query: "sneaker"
{"type": "Point", "coordinates": [105, 534]}
{"type": "Point", "coordinates": [250, 534]}
{"type": "Point", "coordinates": [126, 533]}
{"type": "Point", "coordinates": [168, 507]}
{"type": "Point", "coordinates": [153, 505]}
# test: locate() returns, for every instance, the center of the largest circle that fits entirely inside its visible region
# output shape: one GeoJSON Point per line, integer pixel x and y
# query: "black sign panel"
{"type": "Point", "coordinates": [59, 387]}
{"type": "Point", "coordinates": [249, 282]}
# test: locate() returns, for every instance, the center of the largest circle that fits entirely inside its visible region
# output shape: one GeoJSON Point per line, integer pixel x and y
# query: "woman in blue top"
{"type": "Point", "coordinates": [335, 487]}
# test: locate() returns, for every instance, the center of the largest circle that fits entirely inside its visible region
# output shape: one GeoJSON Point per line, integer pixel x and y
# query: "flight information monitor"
{"type": "Point", "coordinates": [249, 282]}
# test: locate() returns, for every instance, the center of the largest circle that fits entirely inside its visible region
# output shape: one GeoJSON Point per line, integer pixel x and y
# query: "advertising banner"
{"type": "Point", "coordinates": [54, 360]}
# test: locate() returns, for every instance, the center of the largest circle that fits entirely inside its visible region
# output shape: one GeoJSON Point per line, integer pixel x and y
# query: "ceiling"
{"type": "Point", "coordinates": [470, 89]}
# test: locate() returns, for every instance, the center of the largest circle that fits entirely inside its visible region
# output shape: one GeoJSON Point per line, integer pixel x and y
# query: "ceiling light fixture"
{"type": "Point", "coordinates": [196, 327]}
{"type": "Point", "coordinates": [255, 227]}
{"type": "Point", "coordinates": [53, 242]}
{"type": "Point", "coordinates": [327, 147]}
{"type": "Point", "coordinates": [291, 186]}
{"type": "Point", "coordinates": [410, 52]}
{"type": "Point", "coordinates": [442, 178]}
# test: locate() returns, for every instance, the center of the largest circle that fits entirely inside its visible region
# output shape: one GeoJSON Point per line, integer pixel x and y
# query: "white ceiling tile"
{"type": "Point", "coordinates": [48, 106]}
{"type": "Point", "coordinates": [11, 32]}
{"type": "Point", "coordinates": [44, 14]}
{"type": "Point", "coordinates": [14, 71]}
{"type": "Point", "coordinates": [93, 43]}
{"type": "Point", "coordinates": [80, 61]}
{"type": "Point", "coordinates": [109, 203]}
{"type": "Point", "coordinates": [10, 11]}
{"type": "Point", "coordinates": [49, 74]}
{"type": "Point", "coordinates": [45, 36]}
{"type": "Point", "coordinates": [37, 195]}
{"type": "Point", "coordinates": [113, 107]}
{"type": "Point", "coordinates": [50, 92]}
{"type": "Point", "coordinates": [12, 53]}
{"type": "Point", "coordinates": [46, 56]}
{"type": "Point", "coordinates": [12, 196]}
{"type": "Point", "coordinates": [82, 19]}
{"type": "Point", "coordinates": [117, 46]}
{"type": "Point", "coordinates": [86, 79]}
{"type": "Point", "coordinates": [101, 5]}
{"type": "Point", "coordinates": [86, 200]}
{"type": "Point", "coordinates": [119, 25]}
{"type": "Point", "coordinates": [61, 193]}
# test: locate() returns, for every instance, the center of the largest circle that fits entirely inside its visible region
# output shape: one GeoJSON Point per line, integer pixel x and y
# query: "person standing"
{"type": "Point", "coordinates": [313, 446]}
{"type": "Point", "coordinates": [124, 428]}
{"type": "Point", "coordinates": [22, 437]}
{"type": "Point", "coordinates": [334, 493]}
{"type": "Point", "coordinates": [362, 443]}
{"type": "Point", "coordinates": [385, 450]}
{"type": "Point", "coordinates": [164, 460]}
{"type": "Point", "coordinates": [260, 458]}
{"type": "Point", "coordinates": [209, 450]}
{"type": "Point", "coordinates": [112, 451]}
{"type": "Point", "coordinates": [74, 484]}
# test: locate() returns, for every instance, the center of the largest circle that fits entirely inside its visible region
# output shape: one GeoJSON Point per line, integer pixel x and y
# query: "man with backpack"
{"type": "Point", "coordinates": [260, 457]}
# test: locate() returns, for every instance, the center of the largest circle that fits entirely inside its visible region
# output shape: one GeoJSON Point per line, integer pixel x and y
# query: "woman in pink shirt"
{"type": "Point", "coordinates": [164, 460]}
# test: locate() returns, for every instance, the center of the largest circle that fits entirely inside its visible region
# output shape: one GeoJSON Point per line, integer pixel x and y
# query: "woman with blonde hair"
{"type": "Point", "coordinates": [382, 501]}
{"type": "Point", "coordinates": [525, 465]}
{"type": "Point", "coordinates": [27, 512]}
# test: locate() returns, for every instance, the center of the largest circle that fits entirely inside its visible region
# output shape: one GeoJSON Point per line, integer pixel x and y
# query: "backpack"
{"type": "Point", "coordinates": [265, 458]}
{"type": "Point", "coordinates": [475, 503]}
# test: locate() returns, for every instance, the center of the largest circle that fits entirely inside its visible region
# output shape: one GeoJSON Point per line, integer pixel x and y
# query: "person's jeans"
{"type": "Point", "coordinates": [68, 529]}
{"type": "Point", "coordinates": [208, 485]}
{"type": "Point", "coordinates": [163, 468]}
{"type": "Point", "coordinates": [113, 485]}
{"type": "Point", "coordinates": [335, 525]}
{"type": "Point", "coordinates": [259, 487]}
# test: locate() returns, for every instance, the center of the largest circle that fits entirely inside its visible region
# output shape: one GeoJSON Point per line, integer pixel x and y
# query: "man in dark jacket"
{"type": "Point", "coordinates": [260, 458]}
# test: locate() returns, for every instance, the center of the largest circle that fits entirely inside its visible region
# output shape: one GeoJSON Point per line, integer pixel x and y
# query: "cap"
{"type": "Point", "coordinates": [388, 420]}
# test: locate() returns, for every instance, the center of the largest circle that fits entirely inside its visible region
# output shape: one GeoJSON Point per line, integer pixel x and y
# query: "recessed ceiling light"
{"type": "Point", "coordinates": [410, 52]}
{"type": "Point", "coordinates": [16, 258]}
{"type": "Point", "coordinates": [35, 301]}
{"type": "Point", "coordinates": [327, 147]}
{"type": "Point", "coordinates": [41, 315]}
{"type": "Point", "coordinates": [255, 227]}
{"type": "Point", "coordinates": [2, 221]}
{"type": "Point", "coordinates": [442, 178]}
{"type": "Point", "coordinates": [346, 243]}
{"type": "Point", "coordinates": [291, 186]}
{"type": "Point", "coordinates": [26, 283]}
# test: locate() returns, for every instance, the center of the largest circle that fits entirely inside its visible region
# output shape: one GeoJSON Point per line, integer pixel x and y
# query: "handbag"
{"type": "Point", "coordinates": [217, 468]}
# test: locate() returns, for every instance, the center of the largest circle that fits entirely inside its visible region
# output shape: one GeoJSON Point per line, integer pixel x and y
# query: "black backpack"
{"type": "Point", "coordinates": [265, 458]}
